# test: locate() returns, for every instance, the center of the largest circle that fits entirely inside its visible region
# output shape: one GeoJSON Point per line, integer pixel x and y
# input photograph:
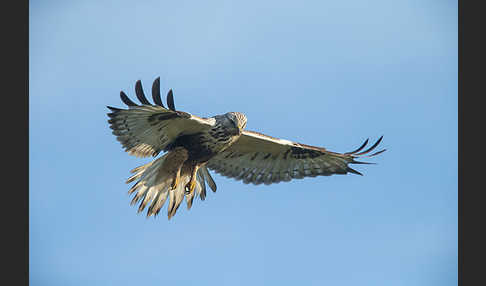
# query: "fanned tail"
{"type": "Point", "coordinates": [153, 187]}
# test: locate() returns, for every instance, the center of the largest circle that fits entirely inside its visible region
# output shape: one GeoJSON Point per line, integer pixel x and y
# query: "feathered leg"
{"type": "Point", "coordinates": [175, 159]}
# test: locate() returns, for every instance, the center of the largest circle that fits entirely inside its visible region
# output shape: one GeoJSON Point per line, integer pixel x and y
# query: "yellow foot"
{"type": "Point", "coordinates": [190, 187]}
{"type": "Point", "coordinates": [175, 182]}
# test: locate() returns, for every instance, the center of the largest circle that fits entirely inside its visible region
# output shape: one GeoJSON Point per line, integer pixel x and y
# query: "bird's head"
{"type": "Point", "coordinates": [238, 119]}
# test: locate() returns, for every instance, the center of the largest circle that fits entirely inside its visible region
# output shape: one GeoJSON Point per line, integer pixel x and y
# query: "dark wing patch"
{"type": "Point", "coordinates": [302, 153]}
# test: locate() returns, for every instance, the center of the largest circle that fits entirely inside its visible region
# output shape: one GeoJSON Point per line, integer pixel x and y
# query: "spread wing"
{"type": "Point", "coordinates": [257, 158]}
{"type": "Point", "coordinates": [144, 130]}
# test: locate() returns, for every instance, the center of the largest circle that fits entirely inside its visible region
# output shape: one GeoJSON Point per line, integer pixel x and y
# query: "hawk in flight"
{"type": "Point", "coordinates": [192, 145]}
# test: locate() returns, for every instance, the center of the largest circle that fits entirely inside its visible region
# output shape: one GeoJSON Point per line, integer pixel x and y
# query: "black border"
{"type": "Point", "coordinates": [471, 128]}
{"type": "Point", "coordinates": [15, 113]}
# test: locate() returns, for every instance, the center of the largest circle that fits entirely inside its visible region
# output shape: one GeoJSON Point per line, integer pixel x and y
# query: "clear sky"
{"type": "Point", "coordinates": [325, 73]}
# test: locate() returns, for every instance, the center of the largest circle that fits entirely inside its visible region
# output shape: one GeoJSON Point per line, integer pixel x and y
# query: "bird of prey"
{"type": "Point", "coordinates": [192, 145]}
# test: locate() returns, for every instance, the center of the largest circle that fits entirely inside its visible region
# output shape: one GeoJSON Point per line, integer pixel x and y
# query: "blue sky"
{"type": "Point", "coordinates": [325, 73]}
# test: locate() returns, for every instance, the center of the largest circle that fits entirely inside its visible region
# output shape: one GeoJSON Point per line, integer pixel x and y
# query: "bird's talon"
{"type": "Point", "coordinates": [190, 187]}
{"type": "Point", "coordinates": [174, 184]}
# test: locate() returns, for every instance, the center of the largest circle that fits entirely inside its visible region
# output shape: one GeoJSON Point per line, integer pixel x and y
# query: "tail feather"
{"type": "Point", "coordinates": [200, 185]}
{"type": "Point", "coordinates": [178, 195]}
{"type": "Point", "coordinates": [152, 187]}
{"type": "Point", "coordinates": [157, 203]}
{"type": "Point", "coordinates": [138, 172]}
{"type": "Point", "coordinates": [189, 200]}
{"type": "Point", "coordinates": [205, 173]}
{"type": "Point", "coordinates": [201, 189]}
{"type": "Point", "coordinates": [171, 204]}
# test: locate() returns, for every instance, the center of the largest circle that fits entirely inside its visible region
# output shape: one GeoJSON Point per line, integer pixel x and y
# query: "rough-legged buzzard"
{"type": "Point", "coordinates": [193, 144]}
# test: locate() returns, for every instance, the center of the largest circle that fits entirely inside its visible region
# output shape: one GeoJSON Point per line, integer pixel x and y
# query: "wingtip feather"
{"type": "Point", "coordinates": [170, 100]}
{"type": "Point", "coordinates": [351, 170]}
{"type": "Point", "coordinates": [140, 94]}
{"type": "Point", "coordinates": [126, 99]}
{"type": "Point", "coordinates": [156, 92]}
